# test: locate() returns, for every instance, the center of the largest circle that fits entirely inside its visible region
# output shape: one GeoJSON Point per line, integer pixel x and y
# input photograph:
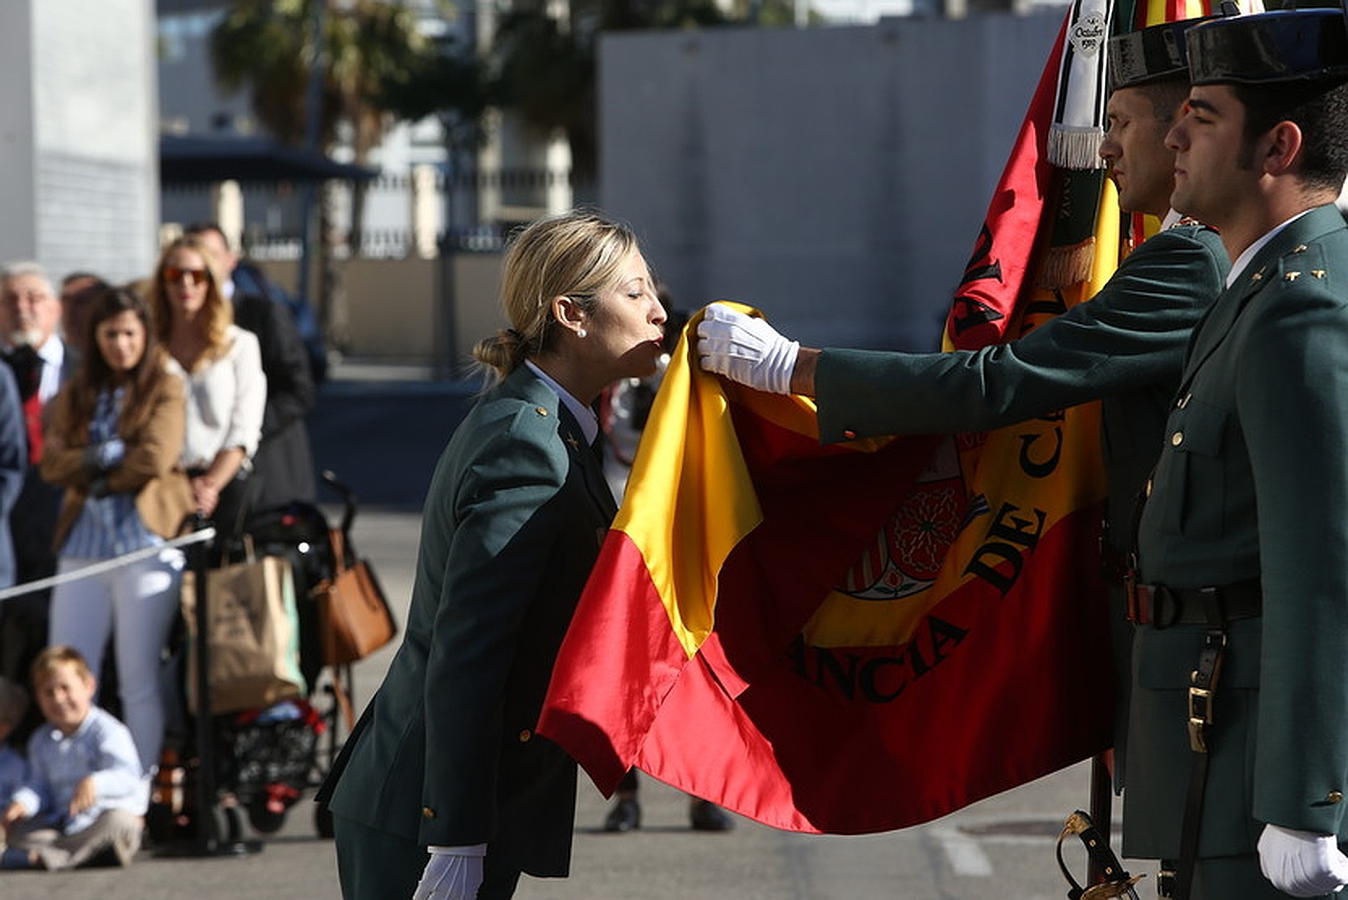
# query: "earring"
{"type": "Point", "coordinates": [580, 332]}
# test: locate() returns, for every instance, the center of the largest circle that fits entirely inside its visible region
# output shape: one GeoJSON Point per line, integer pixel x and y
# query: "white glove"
{"type": "Point", "coordinates": [452, 873]}
{"type": "Point", "coordinates": [1302, 863]}
{"type": "Point", "coordinates": [746, 350]}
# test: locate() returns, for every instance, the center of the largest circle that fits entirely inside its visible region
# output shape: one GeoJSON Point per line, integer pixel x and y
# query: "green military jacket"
{"type": "Point", "coordinates": [1124, 347]}
{"type": "Point", "coordinates": [445, 753]}
{"type": "Point", "coordinates": [1252, 483]}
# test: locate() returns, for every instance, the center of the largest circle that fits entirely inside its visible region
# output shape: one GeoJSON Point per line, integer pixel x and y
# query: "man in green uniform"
{"type": "Point", "coordinates": [1124, 346]}
{"type": "Point", "coordinates": [1240, 701]}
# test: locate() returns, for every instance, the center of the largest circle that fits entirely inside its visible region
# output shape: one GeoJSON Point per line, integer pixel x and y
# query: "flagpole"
{"type": "Point", "coordinates": [1102, 797]}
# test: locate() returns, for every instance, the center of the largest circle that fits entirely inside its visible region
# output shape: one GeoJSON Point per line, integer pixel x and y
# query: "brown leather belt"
{"type": "Point", "coordinates": [1161, 606]}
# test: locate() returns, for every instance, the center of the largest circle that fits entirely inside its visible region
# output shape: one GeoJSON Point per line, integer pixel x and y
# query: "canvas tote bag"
{"type": "Point", "coordinates": [253, 634]}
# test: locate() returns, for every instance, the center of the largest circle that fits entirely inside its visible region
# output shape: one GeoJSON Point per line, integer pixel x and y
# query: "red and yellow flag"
{"type": "Point", "coordinates": [858, 637]}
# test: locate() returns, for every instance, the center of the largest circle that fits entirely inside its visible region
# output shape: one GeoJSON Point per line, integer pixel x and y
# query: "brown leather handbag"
{"type": "Point", "coordinates": [355, 619]}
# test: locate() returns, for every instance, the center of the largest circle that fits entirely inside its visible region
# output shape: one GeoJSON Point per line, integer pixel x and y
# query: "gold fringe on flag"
{"type": "Point", "coordinates": [1066, 266]}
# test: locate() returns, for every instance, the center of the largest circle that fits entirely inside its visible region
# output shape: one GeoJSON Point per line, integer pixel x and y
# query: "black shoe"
{"type": "Point", "coordinates": [703, 815]}
{"type": "Point", "coordinates": [624, 816]}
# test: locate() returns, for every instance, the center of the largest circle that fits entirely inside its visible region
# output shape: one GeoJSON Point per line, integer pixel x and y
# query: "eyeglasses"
{"type": "Point", "coordinates": [173, 274]}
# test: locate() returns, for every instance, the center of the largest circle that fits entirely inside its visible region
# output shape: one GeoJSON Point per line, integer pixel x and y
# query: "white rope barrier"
{"type": "Point", "coordinates": [107, 565]}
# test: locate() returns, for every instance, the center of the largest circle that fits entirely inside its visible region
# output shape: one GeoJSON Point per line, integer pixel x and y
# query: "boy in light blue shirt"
{"type": "Point", "coordinates": [84, 799]}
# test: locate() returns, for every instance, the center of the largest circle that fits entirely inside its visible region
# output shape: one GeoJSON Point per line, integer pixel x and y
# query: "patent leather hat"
{"type": "Point", "coordinates": [1268, 48]}
{"type": "Point", "coordinates": [1150, 54]}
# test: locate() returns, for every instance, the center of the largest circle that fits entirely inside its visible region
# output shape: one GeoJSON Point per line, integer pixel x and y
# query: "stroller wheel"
{"type": "Point", "coordinates": [323, 822]}
{"type": "Point", "coordinates": [263, 819]}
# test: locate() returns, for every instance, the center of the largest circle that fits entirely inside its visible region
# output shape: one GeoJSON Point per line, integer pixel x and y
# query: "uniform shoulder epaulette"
{"type": "Point", "coordinates": [1297, 264]}
{"type": "Point", "coordinates": [1185, 220]}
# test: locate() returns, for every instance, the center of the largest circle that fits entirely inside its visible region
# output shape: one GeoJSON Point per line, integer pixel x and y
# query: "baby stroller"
{"type": "Point", "coordinates": [264, 759]}
{"type": "Point", "coordinates": [267, 758]}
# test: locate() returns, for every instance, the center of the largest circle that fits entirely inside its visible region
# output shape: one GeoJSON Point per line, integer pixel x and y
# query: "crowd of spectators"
{"type": "Point", "coordinates": [125, 412]}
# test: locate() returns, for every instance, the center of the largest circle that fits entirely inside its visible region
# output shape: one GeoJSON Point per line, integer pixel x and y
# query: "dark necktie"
{"type": "Point", "coordinates": [597, 448]}
{"type": "Point", "coordinates": [27, 366]}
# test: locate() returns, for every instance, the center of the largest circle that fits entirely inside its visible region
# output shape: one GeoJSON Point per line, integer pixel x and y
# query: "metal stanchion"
{"type": "Point", "coordinates": [209, 841]}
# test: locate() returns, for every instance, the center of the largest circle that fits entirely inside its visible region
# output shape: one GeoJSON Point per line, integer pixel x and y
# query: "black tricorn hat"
{"type": "Point", "coordinates": [1149, 54]}
{"type": "Point", "coordinates": [1271, 47]}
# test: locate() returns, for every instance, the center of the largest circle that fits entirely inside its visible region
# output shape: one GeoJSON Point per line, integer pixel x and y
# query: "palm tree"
{"type": "Point", "coordinates": [269, 47]}
{"type": "Point", "coordinates": [545, 68]}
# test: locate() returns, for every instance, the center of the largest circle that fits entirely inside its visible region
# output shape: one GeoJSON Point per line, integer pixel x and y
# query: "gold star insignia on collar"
{"type": "Point", "coordinates": [1258, 276]}
{"type": "Point", "coordinates": [1292, 276]}
{"type": "Point", "coordinates": [1300, 248]}
{"type": "Point", "coordinates": [1318, 273]}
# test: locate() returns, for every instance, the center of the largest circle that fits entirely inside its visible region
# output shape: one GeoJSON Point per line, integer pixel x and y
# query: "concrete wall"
{"type": "Point", "coordinates": [834, 177]}
{"type": "Point", "coordinates": [78, 138]}
{"type": "Point", "coordinates": [18, 196]}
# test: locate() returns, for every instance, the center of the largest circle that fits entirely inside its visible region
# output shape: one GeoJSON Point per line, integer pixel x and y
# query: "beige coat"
{"type": "Point", "coordinates": [150, 468]}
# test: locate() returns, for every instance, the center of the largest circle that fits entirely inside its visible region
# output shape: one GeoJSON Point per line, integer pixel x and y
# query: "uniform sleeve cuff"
{"type": "Point", "coordinates": [466, 850]}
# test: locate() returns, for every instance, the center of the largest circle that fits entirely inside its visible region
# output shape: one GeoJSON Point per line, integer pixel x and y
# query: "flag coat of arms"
{"type": "Point", "coordinates": [857, 637]}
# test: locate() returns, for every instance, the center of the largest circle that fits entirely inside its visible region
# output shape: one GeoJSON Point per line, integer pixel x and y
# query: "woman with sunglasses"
{"type": "Point", "coordinates": [222, 365]}
{"type": "Point", "coordinates": [444, 761]}
{"type": "Point", "coordinates": [114, 442]}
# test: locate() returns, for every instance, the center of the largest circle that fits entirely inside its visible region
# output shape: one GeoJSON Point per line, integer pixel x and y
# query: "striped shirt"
{"type": "Point", "coordinates": [108, 526]}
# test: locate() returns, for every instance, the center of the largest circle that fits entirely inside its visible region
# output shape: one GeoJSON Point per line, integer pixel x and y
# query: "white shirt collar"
{"type": "Point", "coordinates": [585, 417]}
{"type": "Point", "coordinates": [1172, 218]}
{"type": "Point", "coordinates": [1243, 260]}
{"type": "Point", "coordinates": [53, 356]}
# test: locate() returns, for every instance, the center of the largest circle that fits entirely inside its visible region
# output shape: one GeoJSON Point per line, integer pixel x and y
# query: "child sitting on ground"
{"type": "Point", "coordinates": [13, 769]}
{"type": "Point", "coordinates": [84, 800]}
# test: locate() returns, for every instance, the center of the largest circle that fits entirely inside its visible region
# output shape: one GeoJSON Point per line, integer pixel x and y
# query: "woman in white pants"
{"type": "Point", "coordinates": [114, 442]}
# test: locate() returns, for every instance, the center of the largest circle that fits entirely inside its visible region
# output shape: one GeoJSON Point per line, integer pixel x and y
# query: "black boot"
{"type": "Point", "coordinates": [625, 814]}
{"type": "Point", "coordinates": [703, 815]}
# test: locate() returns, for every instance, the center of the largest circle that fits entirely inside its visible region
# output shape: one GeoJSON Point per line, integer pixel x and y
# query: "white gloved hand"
{"type": "Point", "coordinates": [1302, 863]}
{"type": "Point", "coordinates": [746, 350]}
{"type": "Point", "coordinates": [452, 873]}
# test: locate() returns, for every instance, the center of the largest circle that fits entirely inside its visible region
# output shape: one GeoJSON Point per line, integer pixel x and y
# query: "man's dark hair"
{"type": "Point", "coordinates": [203, 227]}
{"type": "Point", "coordinates": [1166, 96]}
{"type": "Point", "coordinates": [1318, 108]}
{"type": "Point", "coordinates": [81, 276]}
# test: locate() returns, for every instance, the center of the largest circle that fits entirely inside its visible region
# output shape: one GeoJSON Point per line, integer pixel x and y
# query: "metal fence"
{"type": "Point", "coordinates": [412, 214]}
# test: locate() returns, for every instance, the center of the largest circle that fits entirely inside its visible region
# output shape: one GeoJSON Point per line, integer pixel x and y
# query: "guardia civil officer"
{"type": "Point", "coordinates": [1239, 729]}
{"type": "Point", "coordinates": [1125, 346]}
{"type": "Point", "coordinates": [445, 757]}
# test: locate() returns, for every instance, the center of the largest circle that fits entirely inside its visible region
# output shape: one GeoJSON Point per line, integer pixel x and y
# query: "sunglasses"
{"type": "Point", "coordinates": [173, 274]}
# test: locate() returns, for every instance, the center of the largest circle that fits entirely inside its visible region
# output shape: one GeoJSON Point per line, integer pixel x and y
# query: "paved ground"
{"type": "Point", "coordinates": [1002, 847]}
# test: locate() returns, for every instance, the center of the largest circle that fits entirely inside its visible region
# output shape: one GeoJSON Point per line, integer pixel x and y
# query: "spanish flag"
{"type": "Point", "coordinates": [860, 637]}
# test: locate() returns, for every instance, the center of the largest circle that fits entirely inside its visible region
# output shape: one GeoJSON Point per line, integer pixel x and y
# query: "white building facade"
{"type": "Point", "coordinates": [78, 137]}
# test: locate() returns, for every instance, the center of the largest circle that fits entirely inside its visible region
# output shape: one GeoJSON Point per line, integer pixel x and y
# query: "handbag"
{"type": "Point", "coordinates": [355, 619]}
{"type": "Point", "coordinates": [252, 635]}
